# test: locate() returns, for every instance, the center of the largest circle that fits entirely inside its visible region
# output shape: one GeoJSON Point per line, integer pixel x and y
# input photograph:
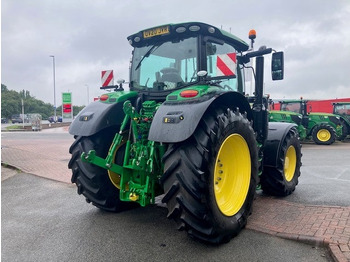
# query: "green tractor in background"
{"type": "Point", "coordinates": [186, 131]}
{"type": "Point", "coordinates": [342, 109]}
{"type": "Point", "coordinates": [322, 128]}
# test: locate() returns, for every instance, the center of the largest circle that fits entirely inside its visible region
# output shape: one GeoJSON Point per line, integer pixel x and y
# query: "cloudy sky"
{"type": "Point", "coordinates": [88, 36]}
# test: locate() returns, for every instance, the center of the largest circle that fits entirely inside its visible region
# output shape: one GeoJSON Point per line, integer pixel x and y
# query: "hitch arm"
{"type": "Point", "coordinates": [91, 157]}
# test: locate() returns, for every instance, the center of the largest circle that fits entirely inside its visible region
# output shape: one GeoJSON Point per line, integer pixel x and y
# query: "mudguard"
{"type": "Point", "coordinates": [99, 115]}
{"type": "Point", "coordinates": [175, 122]}
{"type": "Point", "coordinates": [276, 134]}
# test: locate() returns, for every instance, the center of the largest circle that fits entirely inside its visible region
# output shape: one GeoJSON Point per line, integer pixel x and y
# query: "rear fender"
{"type": "Point", "coordinates": [100, 115]}
{"type": "Point", "coordinates": [276, 135]}
{"type": "Point", "coordinates": [176, 122]}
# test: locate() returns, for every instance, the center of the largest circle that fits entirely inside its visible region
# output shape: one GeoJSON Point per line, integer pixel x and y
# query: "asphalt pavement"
{"type": "Point", "coordinates": [45, 220]}
{"type": "Point", "coordinates": [63, 227]}
{"type": "Point", "coordinates": [325, 175]}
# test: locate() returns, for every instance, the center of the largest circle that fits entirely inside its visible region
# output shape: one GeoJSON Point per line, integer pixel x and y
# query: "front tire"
{"type": "Point", "coordinates": [323, 134]}
{"type": "Point", "coordinates": [210, 179]}
{"type": "Point", "coordinates": [282, 179]}
{"type": "Point", "coordinates": [92, 181]}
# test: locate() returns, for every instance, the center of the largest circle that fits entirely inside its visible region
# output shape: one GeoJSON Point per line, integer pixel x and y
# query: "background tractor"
{"type": "Point", "coordinates": [185, 130]}
{"type": "Point", "coordinates": [323, 128]}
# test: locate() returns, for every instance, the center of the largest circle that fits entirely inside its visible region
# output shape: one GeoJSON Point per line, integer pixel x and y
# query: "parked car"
{"type": "Point", "coordinates": [16, 119]}
{"type": "Point", "coordinates": [52, 119]}
{"type": "Point", "coordinates": [4, 120]}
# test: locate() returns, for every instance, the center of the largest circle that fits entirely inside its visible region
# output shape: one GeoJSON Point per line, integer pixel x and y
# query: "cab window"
{"type": "Point", "coordinates": [165, 66]}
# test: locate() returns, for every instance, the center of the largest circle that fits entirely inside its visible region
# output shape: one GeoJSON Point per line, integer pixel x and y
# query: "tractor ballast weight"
{"type": "Point", "coordinates": [186, 131]}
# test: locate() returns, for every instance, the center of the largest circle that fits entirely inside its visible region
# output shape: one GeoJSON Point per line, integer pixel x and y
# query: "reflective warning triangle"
{"type": "Point", "coordinates": [226, 64]}
{"type": "Point", "coordinates": [107, 78]}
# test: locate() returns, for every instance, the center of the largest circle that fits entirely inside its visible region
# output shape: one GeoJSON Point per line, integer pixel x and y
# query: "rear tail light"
{"type": "Point", "coordinates": [103, 97]}
{"type": "Point", "coordinates": [189, 93]}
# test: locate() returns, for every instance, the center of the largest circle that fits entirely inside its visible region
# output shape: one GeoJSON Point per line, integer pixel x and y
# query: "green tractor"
{"type": "Point", "coordinates": [289, 117]}
{"type": "Point", "coordinates": [322, 128]}
{"type": "Point", "coordinates": [186, 132]}
{"type": "Point", "coordinates": [342, 109]}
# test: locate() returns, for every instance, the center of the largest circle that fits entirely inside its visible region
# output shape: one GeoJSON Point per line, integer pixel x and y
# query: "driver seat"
{"type": "Point", "coordinates": [171, 77]}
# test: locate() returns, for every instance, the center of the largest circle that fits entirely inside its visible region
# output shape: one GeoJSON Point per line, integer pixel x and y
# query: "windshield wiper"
{"type": "Point", "coordinates": [150, 51]}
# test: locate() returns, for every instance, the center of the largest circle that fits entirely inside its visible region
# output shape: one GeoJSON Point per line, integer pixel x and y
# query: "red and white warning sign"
{"type": "Point", "coordinates": [226, 64]}
{"type": "Point", "coordinates": [107, 78]}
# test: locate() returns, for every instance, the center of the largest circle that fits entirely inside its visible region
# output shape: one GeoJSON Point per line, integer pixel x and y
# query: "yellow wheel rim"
{"type": "Point", "coordinates": [114, 177]}
{"type": "Point", "coordinates": [323, 135]}
{"type": "Point", "coordinates": [232, 174]}
{"type": "Point", "coordinates": [290, 163]}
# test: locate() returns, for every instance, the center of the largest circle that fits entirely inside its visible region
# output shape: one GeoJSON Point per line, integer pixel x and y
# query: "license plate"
{"type": "Point", "coordinates": [156, 31]}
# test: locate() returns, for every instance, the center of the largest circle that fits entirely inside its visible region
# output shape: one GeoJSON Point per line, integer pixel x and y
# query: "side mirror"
{"type": "Point", "coordinates": [277, 66]}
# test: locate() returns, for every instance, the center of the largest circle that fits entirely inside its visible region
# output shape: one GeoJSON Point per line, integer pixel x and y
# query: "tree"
{"type": "Point", "coordinates": [3, 88]}
{"type": "Point", "coordinates": [11, 103]}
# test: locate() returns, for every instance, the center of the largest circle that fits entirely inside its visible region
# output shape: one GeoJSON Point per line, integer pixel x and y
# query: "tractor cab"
{"type": "Point", "coordinates": [342, 109]}
{"type": "Point", "coordinates": [297, 106]}
{"type": "Point", "coordinates": [177, 56]}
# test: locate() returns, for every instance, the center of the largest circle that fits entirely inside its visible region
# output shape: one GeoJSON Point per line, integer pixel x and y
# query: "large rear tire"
{"type": "Point", "coordinates": [324, 134]}
{"type": "Point", "coordinates": [92, 181]}
{"type": "Point", "coordinates": [210, 179]}
{"type": "Point", "coordinates": [282, 179]}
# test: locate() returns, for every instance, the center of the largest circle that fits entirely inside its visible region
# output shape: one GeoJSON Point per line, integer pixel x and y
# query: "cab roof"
{"type": "Point", "coordinates": [168, 32]}
{"type": "Point", "coordinates": [292, 101]}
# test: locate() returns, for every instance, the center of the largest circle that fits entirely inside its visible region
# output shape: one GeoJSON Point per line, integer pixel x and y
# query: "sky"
{"type": "Point", "coordinates": [88, 36]}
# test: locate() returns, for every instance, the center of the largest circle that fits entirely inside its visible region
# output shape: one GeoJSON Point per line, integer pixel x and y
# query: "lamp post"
{"type": "Point", "coordinates": [22, 112]}
{"type": "Point", "coordinates": [54, 87]}
{"type": "Point", "coordinates": [88, 98]}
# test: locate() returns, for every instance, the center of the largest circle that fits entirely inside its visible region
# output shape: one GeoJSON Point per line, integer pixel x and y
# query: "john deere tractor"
{"type": "Point", "coordinates": [186, 132]}
{"type": "Point", "coordinates": [322, 128]}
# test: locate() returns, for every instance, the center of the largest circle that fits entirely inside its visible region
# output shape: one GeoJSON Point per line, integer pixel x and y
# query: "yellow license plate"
{"type": "Point", "coordinates": [156, 31]}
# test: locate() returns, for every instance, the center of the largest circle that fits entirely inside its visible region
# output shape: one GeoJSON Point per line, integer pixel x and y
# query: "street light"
{"type": "Point", "coordinates": [54, 87]}
{"type": "Point", "coordinates": [87, 89]}
{"type": "Point", "coordinates": [22, 113]}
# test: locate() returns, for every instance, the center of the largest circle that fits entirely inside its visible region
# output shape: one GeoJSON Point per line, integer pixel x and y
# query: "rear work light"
{"type": "Point", "coordinates": [103, 97]}
{"type": "Point", "coordinates": [189, 93]}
